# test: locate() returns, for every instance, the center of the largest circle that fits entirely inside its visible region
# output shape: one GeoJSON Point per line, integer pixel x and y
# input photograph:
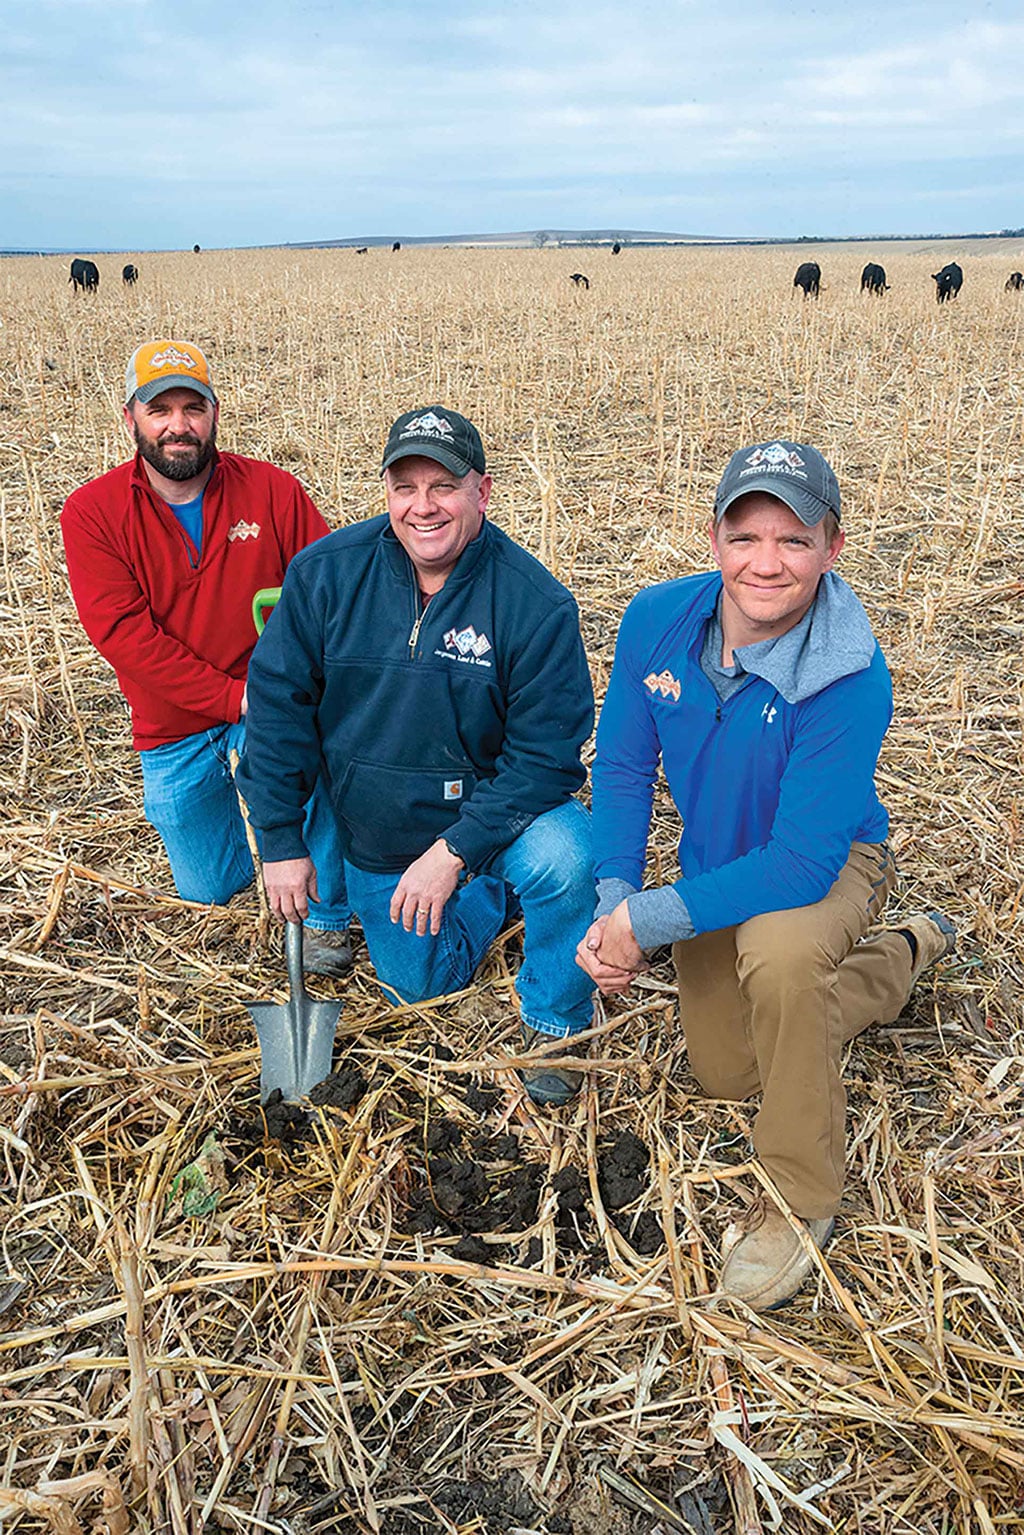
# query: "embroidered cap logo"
{"type": "Point", "coordinates": [428, 425]}
{"type": "Point", "coordinates": [775, 456]}
{"type": "Point", "coordinates": [170, 357]}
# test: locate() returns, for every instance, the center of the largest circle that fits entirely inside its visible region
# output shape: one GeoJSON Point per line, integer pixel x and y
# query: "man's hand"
{"type": "Point", "coordinates": [610, 954]}
{"type": "Point", "coordinates": [424, 888]}
{"type": "Point", "coordinates": [290, 885]}
{"type": "Point", "coordinates": [245, 702]}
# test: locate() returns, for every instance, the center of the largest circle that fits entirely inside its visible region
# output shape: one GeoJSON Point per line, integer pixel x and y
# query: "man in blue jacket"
{"type": "Point", "coordinates": [764, 694]}
{"type": "Point", "coordinates": [434, 672]}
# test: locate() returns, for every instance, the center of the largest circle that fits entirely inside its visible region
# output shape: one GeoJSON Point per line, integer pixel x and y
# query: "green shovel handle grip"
{"type": "Point", "coordinates": [266, 597]}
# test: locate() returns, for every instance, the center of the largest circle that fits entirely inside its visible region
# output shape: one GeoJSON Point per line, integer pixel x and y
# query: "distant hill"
{"type": "Point", "coordinates": [537, 238]}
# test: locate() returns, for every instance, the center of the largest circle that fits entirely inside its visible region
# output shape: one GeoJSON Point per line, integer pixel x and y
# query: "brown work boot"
{"type": "Point", "coordinates": [549, 1086]}
{"type": "Point", "coordinates": [326, 951]}
{"type": "Point", "coordinates": [765, 1260]}
{"type": "Point", "coordinates": [935, 937]}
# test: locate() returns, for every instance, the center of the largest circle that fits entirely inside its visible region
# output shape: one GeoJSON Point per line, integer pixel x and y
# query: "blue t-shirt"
{"type": "Point", "coordinates": [190, 515]}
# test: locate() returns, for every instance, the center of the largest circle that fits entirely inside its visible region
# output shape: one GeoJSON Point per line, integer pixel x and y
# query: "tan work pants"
{"type": "Point", "coordinates": [768, 1006]}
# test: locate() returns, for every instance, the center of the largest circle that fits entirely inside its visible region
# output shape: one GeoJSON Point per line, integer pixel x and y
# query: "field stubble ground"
{"type": "Point", "coordinates": [429, 1307]}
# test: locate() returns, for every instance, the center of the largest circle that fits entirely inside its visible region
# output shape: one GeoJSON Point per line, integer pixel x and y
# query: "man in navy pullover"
{"type": "Point", "coordinates": [764, 694]}
{"type": "Point", "coordinates": [434, 672]}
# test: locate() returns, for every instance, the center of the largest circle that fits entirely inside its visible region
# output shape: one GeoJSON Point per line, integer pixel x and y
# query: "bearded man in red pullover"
{"type": "Point", "coordinates": [165, 555]}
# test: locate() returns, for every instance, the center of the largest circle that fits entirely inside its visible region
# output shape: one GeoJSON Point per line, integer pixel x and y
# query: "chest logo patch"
{"type": "Point", "coordinates": [243, 530]}
{"type": "Point", "coordinates": [453, 788]}
{"type": "Point", "coordinates": [467, 642]}
{"type": "Point", "coordinates": [663, 683]}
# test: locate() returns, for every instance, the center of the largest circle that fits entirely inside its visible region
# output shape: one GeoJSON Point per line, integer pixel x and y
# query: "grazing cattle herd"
{"type": "Point", "coordinates": [948, 280]}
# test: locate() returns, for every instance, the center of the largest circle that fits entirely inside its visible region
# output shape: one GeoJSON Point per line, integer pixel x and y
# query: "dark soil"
{"type": "Point", "coordinates": [279, 1121]}
{"type": "Point", "coordinates": [460, 1194]}
{"type": "Point", "coordinates": [622, 1168]}
{"type": "Point", "coordinates": [341, 1090]}
{"type": "Point", "coordinates": [289, 1123]}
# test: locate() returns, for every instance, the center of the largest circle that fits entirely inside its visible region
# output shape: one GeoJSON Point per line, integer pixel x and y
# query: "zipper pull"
{"type": "Point", "coordinates": [414, 636]}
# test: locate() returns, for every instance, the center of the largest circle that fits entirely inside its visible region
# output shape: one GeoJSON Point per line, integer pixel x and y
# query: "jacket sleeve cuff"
{"type": "Point", "coordinates": [474, 847]}
{"type": "Point", "coordinates": [658, 917]}
{"type": "Point", "coordinates": [235, 694]}
{"type": "Point", "coordinates": [280, 842]}
{"type": "Point", "coordinates": [610, 892]}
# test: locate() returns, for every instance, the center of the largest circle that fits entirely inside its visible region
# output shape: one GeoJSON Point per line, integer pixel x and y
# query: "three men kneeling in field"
{"type": "Point", "coordinates": [412, 723]}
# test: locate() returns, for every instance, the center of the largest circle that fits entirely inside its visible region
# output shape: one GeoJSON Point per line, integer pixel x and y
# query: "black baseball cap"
{"type": "Point", "coordinates": [437, 433]}
{"type": "Point", "coordinates": [793, 472]}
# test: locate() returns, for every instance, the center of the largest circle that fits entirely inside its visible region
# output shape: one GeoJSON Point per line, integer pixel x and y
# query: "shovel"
{"type": "Point", "coordinates": [296, 1037]}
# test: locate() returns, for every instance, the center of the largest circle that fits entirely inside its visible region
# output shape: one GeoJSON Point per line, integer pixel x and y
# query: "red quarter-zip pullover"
{"type": "Point", "coordinates": [175, 625]}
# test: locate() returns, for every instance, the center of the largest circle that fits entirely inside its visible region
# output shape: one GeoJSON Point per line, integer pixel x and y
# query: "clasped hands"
{"type": "Point", "coordinates": [609, 952]}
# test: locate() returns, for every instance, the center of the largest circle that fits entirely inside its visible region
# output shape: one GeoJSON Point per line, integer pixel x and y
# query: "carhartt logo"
{"type": "Point", "coordinates": [427, 425]}
{"type": "Point", "coordinates": [663, 683]}
{"type": "Point", "coordinates": [453, 788]}
{"type": "Point", "coordinates": [170, 357]}
{"type": "Point", "coordinates": [243, 530]}
{"type": "Point", "coordinates": [769, 712]}
{"type": "Point", "coordinates": [467, 642]}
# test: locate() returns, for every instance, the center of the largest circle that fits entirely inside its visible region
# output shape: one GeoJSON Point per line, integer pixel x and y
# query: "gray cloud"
{"type": "Point", "coordinates": [127, 123]}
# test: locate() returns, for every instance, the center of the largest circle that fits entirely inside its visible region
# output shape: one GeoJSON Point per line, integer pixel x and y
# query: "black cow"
{"type": "Point", "coordinates": [579, 279]}
{"type": "Point", "coordinates": [84, 275]}
{"type": "Point", "coordinates": [361, 250]}
{"type": "Point", "coordinates": [873, 278]}
{"type": "Point", "coordinates": [130, 275]}
{"type": "Point", "coordinates": [616, 248]}
{"type": "Point", "coordinates": [1015, 282]}
{"type": "Point", "coordinates": [195, 250]}
{"type": "Point", "coordinates": [808, 277]}
{"type": "Point", "coordinates": [948, 282]}
{"type": "Point", "coordinates": [397, 245]}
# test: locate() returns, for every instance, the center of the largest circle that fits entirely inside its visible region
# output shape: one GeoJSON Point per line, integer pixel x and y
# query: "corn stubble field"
{"type": "Point", "coordinates": [425, 1305]}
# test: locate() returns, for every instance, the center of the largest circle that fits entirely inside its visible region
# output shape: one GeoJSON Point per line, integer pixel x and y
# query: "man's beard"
{"type": "Point", "coordinates": [182, 466]}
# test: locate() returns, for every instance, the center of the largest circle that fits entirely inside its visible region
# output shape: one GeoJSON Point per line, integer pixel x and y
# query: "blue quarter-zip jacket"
{"type": "Point", "coordinates": [462, 719]}
{"type": "Point", "coordinates": [772, 789]}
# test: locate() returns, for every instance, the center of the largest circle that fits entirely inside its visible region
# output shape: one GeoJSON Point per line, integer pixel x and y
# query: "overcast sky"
{"type": "Point", "coordinates": [138, 124]}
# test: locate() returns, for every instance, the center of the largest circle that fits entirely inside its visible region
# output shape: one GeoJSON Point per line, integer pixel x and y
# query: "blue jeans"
{"type": "Point", "coordinates": [189, 798]}
{"type": "Point", "coordinates": [548, 874]}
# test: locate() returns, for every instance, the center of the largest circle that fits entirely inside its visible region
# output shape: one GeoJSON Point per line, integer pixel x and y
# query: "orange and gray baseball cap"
{"type": "Point", "coordinates": [159, 365]}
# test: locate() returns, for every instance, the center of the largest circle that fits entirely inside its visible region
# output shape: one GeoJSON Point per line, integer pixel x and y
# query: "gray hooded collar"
{"type": "Point", "coordinates": [833, 640]}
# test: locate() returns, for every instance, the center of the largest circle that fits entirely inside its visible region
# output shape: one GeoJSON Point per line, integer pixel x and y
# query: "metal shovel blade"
{"type": "Point", "coordinates": [296, 1037]}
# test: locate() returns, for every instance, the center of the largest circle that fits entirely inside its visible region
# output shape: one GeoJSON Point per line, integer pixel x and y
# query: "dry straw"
{"type": "Point", "coordinates": [298, 1357]}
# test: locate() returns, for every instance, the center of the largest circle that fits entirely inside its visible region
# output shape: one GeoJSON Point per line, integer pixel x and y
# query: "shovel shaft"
{"type": "Point", "coordinates": [293, 958]}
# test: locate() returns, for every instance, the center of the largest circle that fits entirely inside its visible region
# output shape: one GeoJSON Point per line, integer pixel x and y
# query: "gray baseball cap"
{"type": "Point", "coordinates": [793, 472]}
{"type": "Point", "coordinates": [437, 433]}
